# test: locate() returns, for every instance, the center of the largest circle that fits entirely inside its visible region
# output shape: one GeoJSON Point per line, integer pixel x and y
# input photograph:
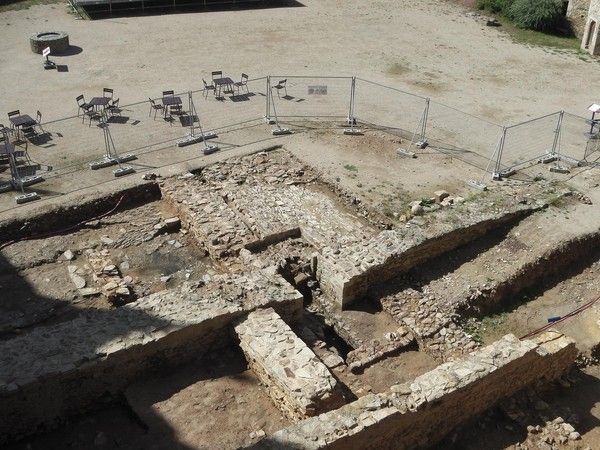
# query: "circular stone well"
{"type": "Point", "coordinates": [58, 41]}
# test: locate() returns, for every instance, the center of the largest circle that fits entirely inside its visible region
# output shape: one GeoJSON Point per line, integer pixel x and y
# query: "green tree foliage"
{"type": "Point", "coordinates": [496, 6]}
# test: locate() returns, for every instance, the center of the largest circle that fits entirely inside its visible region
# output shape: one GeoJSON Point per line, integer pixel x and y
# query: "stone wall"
{"type": "Point", "coordinates": [591, 39]}
{"type": "Point", "coordinates": [346, 274]}
{"type": "Point", "coordinates": [421, 413]}
{"type": "Point", "coordinates": [296, 379]}
{"type": "Point", "coordinates": [577, 14]}
{"type": "Point", "coordinates": [62, 369]}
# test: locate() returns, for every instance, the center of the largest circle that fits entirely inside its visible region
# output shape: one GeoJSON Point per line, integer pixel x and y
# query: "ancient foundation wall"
{"type": "Point", "coordinates": [296, 379]}
{"type": "Point", "coordinates": [64, 369]}
{"type": "Point", "coordinates": [348, 275]}
{"type": "Point", "coordinates": [421, 413]}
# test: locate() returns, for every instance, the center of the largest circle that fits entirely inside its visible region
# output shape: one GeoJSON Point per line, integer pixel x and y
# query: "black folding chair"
{"type": "Point", "coordinates": [168, 93]}
{"type": "Point", "coordinates": [242, 83]}
{"type": "Point", "coordinates": [113, 107]}
{"type": "Point", "coordinates": [13, 114]}
{"type": "Point", "coordinates": [107, 92]}
{"type": "Point", "coordinates": [281, 85]}
{"type": "Point", "coordinates": [81, 104]}
{"type": "Point", "coordinates": [208, 87]}
{"type": "Point", "coordinates": [155, 107]}
{"type": "Point", "coordinates": [38, 120]}
{"type": "Point", "coordinates": [91, 114]}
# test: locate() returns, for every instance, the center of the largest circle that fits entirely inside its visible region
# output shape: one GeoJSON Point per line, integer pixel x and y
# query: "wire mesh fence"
{"type": "Point", "coordinates": [527, 142]}
{"type": "Point", "coordinates": [470, 138]}
{"type": "Point", "coordinates": [387, 107]}
{"type": "Point", "coordinates": [577, 141]}
{"type": "Point", "coordinates": [147, 132]}
{"type": "Point", "coordinates": [295, 97]}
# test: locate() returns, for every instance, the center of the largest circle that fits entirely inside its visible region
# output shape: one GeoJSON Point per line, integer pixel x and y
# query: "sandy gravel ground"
{"type": "Point", "coordinates": [429, 47]}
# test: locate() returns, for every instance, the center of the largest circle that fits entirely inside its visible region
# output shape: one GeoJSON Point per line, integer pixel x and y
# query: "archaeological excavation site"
{"type": "Point", "coordinates": [258, 301]}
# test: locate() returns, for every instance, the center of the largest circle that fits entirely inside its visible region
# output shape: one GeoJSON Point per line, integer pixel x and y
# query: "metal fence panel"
{"type": "Point", "coordinates": [469, 138]}
{"type": "Point", "coordinates": [528, 141]}
{"type": "Point", "coordinates": [310, 97]}
{"type": "Point", "coordinates": [575, 142]}
{"type": "Point", "coordinates": [383, 106]}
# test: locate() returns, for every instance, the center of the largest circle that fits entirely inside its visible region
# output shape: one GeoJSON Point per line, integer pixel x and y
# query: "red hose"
{"type": "Point", "coordinates": [64, 230]}
{"type": "Point", "coordinates": [562, 319]}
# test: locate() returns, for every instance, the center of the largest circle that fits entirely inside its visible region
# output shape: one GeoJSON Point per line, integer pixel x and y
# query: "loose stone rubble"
{"type": "Point", "coordinates": [432, 324]}
{"type": "Point", "coordinates": [299, 383]}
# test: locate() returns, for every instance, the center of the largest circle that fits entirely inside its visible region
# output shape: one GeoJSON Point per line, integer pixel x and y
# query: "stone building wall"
{"type": "Point", "coordinates": [346, 274]}
{"type": "Point", "coordinates": [591, 39]}
{"type": "Point", "coordinates": [296, 379]}
{"type": "Point", "coordinates": [577, 14]}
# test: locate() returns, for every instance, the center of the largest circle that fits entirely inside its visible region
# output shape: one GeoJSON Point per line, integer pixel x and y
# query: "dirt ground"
{"type": "Point", "coordinates": [430, 47]}
{"type": "Point", "coordinates": [37, 272]}
{"type": "Point", "coordinates": [475, 68]}
{"type": "Point", "coordinates": [533, 312]}
{"type": "Point", "coordinates": [462, 63]}
{"type": "Point", "coordinates": [214, 399]}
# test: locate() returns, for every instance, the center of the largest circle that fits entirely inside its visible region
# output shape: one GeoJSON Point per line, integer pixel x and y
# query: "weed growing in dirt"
{"type": "Point", "coordinates": [398, 69]}
{"type": "Point", "coordinates": [477, 328]}
{"type": "Point", "coordinates": [351, 168]}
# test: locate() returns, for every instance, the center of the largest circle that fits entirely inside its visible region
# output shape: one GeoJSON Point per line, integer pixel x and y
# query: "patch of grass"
{"type": "Point", "coordinates": [26, 4]}
{"type": "Point", "coordinates": [558, 42]}
{"type": "Point", "coordinates": [351, 168]}
{"type": "Point", "coordinates": [427, 201]}
{"type": "Point", "coordinates": [555, 199]}
{"type": "Point", "coordinates": [476, 328]}
{"type": "Point", "coordinates": [474, 195]}
{"type": "Point", "coordinates": [473, 328]}
{"type": "Point", "coordinates": [539, 39]}
{"type": "Point", "coordinates": [398, 69]}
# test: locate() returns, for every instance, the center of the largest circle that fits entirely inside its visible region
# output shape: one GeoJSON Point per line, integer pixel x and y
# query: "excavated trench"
{"type": "Point", "coordinates": [556, 265]}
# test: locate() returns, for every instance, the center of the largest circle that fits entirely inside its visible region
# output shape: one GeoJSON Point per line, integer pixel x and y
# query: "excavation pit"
{"type": "Point", "coordinates": [205, 254]}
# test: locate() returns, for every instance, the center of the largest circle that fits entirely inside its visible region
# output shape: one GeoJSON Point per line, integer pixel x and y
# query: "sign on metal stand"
{"type": "Point", "coordinates": [46, 61]}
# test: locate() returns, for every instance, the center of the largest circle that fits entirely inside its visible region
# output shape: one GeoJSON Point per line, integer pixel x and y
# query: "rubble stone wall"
{"type": "Point", "coordinates": [420, 413]}
{"type": "Point", "coordinates": [577, 14]}
{"type": "Point", "coordinates": [296, 379]}
{"type": "Point", "coordinates": [348, 274]}
{"type": "Point", "coordinates": [62, 369]}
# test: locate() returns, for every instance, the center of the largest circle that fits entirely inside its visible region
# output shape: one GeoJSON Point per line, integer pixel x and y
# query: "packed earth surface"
{"type": "Point", "coordinates": [316, 289]}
